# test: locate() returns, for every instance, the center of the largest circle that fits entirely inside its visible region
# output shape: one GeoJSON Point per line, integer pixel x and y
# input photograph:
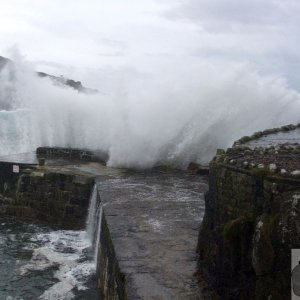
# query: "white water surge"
{"type": "Point", "coordinates": [64, 250]}
{"type": "Point", "coordinates": [94, 220]}
{"type": "Point", "coordinates": [164, 114]}
{"type": "Point", "coordinates": [67, 251]}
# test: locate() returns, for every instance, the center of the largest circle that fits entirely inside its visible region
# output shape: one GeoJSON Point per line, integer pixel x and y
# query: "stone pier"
{"type": "Point", "coordinates": [149, 225]}
{"type": "Point", "coordinates": [252, 216]}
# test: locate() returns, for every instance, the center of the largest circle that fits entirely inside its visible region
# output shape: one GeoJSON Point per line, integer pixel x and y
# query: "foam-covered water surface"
{"type": "Point", "coordinates": [41, 262]}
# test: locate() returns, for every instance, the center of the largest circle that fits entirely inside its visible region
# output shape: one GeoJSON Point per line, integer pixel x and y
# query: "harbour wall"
{"type": "Point", "coordinates": [38, 194]}
{"type": "Point", "coordinates": [251, 222]}
{"type": "Point", "coordinates": [58, 196]}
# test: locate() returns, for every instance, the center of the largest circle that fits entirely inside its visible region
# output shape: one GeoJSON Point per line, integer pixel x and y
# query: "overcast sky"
{"type": "Point", "coordinates": [81, 38]}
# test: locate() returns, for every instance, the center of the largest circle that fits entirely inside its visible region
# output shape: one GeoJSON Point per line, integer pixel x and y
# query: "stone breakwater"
{"type": "Point", "coordinates": [58, 192]}
{"type": "Point", "coordinates": [49, 194]}
{"type": "Point", "coordinates": [149, 220]}
{"type": "Point", "coordinates": [252, 216]}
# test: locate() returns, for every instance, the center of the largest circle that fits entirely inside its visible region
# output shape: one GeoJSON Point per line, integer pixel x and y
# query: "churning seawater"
{"type": "Point", "coordinates": [43, 262]}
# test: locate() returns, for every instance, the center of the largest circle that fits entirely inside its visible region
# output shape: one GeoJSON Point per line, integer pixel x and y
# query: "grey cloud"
{"type": "Point", "coordinates": [159, 54]}
{"type": "Point", "coordinates": [232, 15]}
{"type": "Point", "coordinates": [114, 54]}
{"type": "Point", "coordinates": [52, 64]}
{"type": "Point", "coordinates": [114, 43]}
{"type": "Point", "coordinates": [91, 34]}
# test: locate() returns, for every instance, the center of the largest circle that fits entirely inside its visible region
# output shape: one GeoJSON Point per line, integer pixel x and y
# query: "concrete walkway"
{"type": "Point", "coordinates": [154, 218]}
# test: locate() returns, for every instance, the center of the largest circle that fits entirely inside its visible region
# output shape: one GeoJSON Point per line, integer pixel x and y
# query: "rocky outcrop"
{"type": "Point", "coordinates": [63, 81]}
{"type": "Point", "coordinates": [251, 222]}
{"type": "Point", "coordinates": [76, 85]}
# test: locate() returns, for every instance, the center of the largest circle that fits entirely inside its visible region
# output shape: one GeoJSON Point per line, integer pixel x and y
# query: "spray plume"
{"type": "Point", "coordinates": [168, 114]}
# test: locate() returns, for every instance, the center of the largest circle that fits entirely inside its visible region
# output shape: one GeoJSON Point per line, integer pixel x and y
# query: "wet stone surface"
{"type": "Point", "coordinates": [154, 218]}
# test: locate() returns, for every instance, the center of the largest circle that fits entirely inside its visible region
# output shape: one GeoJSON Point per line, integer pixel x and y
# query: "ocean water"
{"type": "Point", "coordinates": [44, 262]}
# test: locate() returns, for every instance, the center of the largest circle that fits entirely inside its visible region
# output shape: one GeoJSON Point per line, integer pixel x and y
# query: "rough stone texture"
{"type": "Point", "coordinates": [70, 154]}
{"type": "Point", "coordinates": [198, 169]}
{"type": "Point", "coordinates": [153, 219]}
{"type": "Point", "coordinates": [251, 223]}
{"type": "Point", "coordinates": [42, 194]}
{"type": "Point", "coordinates": [110, 280]}
{"type": "Point", "coordinates": [9, 179]}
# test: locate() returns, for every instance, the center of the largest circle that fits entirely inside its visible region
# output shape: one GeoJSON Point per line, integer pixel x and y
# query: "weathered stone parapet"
{"type": "Point", "coordinates": [281, 162]}
{"type": "Point", "coordinates": [39, 194]}
{"type": "Point", "coordinates": [110, 280]}
{"type": "Point", "coordinates": [69, 153]}
{"type": "Point", "coordinates": [251, 223]}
